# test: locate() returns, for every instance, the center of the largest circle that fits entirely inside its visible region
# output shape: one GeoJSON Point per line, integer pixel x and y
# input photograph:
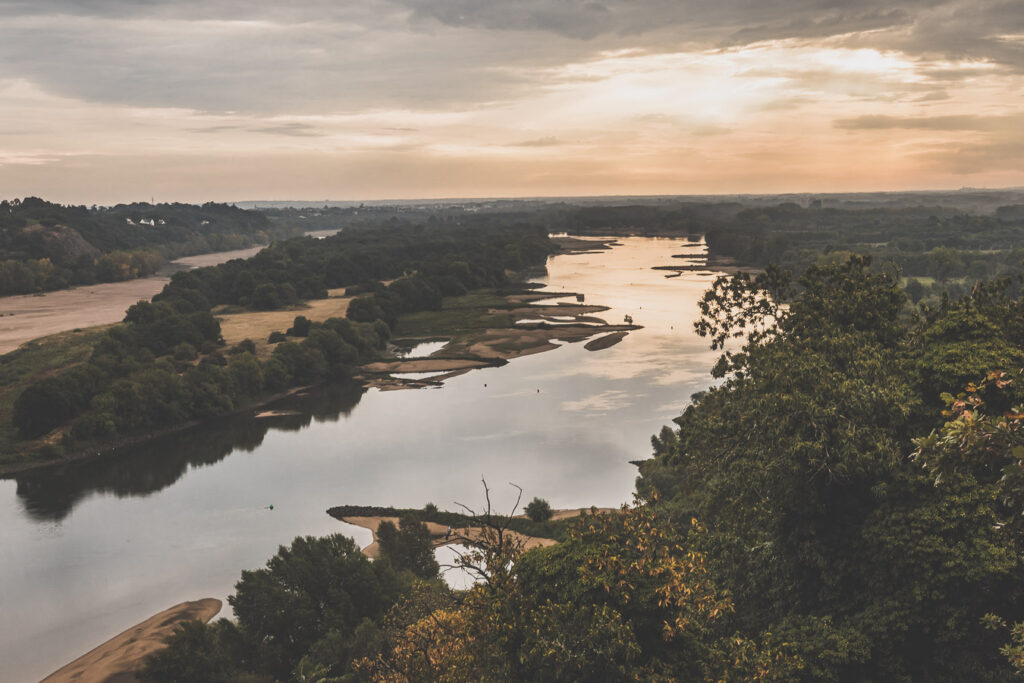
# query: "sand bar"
{"type": "Point", "coordinates": [605, 341]}
{"type": "Point", "coordinates": [117, 660]}
{"type": "Point", "coordinates": [437, 534]}
{"type": "Point", "coordinates": [438, 365]}
{"type": "Point", "coordinates": [30, 316]}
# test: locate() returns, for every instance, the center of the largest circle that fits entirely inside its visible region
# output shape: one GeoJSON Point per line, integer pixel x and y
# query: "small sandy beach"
{"type": "Point", "coordinates": [118, 659]}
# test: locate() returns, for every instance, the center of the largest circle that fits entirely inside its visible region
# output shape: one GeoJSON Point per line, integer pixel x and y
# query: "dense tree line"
{"type": "Point", "coordinates": [836, 510]}
{"type": "Point", "coordinates": [941, 249]}
{"type": "Point", "coordinates": [166, 366]}
{"type": "Point", "coordinates": [46, 246]}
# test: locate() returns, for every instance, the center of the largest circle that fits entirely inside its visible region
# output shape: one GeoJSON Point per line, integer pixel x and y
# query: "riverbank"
{"type": "Point", "coordinates": [440, 535]}
{"type": "Point", "coordinates": [121, 657]}
{"type": "Point", "coordinates": [485, 329]}
{"type": "Point", "coordinates": [107, 449]}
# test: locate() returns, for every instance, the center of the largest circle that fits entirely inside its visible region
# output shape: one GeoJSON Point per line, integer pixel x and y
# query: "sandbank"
{"type": "Point", "coordinates": [437, 534]}
{"type": "Point", "coordinates": [605, 341]}
{"type": "Point", "coordinates": [427, 365]}
{"type": "Point", "coordinates": [118, 659]}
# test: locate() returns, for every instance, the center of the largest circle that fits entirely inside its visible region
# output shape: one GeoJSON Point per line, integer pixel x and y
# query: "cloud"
{"type": "Point", "coordinates": [549, 141]}
{"type": "Point", "coordinates": [649, 96]}
{"type": "Point", "coordinates": [961, 122]}
{"type": "Point", "coordinates": [301, 130]}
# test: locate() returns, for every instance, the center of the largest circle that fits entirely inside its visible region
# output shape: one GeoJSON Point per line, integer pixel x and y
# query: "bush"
{"type": "Point", "coordinates": [539, 510]}
{"type": "Point", "coordinates": [276, 337]}
{"type": "Point", "coordinates": [185, 351]}
{"type": "Point", "coordinates": [244, 346]}
{"type": "Point", "coordinates": [299, 328]}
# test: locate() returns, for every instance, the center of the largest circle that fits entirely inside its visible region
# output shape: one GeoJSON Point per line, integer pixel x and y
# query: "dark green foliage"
{"type": "Point", "coordinates": [823, 530]}
{"type": "Point", "coordinates": [539, 510]}
{"type": "Point", "coordinates": [313, 598]}
{"type": "Point", "coordinates": [45, 246]}
{"type": "Point", "coordinates": [185, 351]}
{"type": "Point", "coordinates": [408, 546]}
{"type": "Point", "coordinates": [276, 337]}
{"type": "Point", "coordinates": [244, 346]}
{"type": "Point", "coordinates": [195, 652]}
{"type": "Point", "coordinates": [952, 246]}
{"type": "Point", "coordinates": [300, 328]}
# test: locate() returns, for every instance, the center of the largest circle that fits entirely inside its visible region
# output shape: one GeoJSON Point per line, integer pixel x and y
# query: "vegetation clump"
{"type": "Point", "coordinates": [539, 510]}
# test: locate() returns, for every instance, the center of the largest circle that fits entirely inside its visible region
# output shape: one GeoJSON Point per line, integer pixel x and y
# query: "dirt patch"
{"type": "Point", "coordinates": [122, 656]}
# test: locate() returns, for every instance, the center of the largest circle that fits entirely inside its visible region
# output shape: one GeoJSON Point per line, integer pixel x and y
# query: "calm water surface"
{"type": "Point", "coordinates": [88, 550]}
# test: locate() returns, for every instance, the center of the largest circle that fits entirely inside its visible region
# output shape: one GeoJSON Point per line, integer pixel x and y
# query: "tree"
{"type": "Point", "coordinates": [539, 510]}
{"type": "Point", "coordinates": [308, 589]}
{"type": "Point", "coordinates": [822, 530]}
{"type": "Point", "coordinates": [195, 652]}
{"type": "Point", "coordinates": [620, 600]}
{"type": "Point", "coordinates": [408, 546]}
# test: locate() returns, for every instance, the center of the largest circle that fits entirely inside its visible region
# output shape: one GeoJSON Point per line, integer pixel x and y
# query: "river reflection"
{"type": "Point", "coordinates": [91, 548]}
{"type": "Point", "coordinates": [52, 493]}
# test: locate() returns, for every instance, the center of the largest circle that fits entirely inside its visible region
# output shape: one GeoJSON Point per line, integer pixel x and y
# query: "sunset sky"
{"type": "Point", "coordinates": [104, 101]}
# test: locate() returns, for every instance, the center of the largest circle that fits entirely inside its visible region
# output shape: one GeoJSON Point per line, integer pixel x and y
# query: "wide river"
{"type": "Point", "coordinates": [89, 549]}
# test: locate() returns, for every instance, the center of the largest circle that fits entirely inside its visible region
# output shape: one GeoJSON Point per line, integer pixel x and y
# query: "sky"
{"type": "Point", "coordinates": [103, 101]}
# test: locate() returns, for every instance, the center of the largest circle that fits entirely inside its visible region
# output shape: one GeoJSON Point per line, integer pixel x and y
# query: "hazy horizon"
{"type": "Point", "coordinates": [123, 100]}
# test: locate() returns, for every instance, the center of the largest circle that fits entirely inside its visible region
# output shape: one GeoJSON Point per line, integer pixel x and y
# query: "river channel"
{"type": "Point", "coordinates": [89, 549]}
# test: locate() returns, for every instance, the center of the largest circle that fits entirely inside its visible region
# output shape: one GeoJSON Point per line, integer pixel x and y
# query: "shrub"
{"type": "Point", "coordinates": [185, 351]}
{"type": "Point", "coordinates": [244, 346]}
{"type": "Point", "coordinates": [539, 510]}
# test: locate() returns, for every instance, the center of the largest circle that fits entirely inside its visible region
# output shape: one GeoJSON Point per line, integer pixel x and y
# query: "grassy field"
{"type": "Point", "coordinates": [257, 325]}
{"type": "Point", "coordinates": [459, 315]}
{"type": "Point", "coordinates": [29, 363]}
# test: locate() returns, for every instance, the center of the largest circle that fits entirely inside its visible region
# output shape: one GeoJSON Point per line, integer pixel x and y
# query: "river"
{"type": "Point", "coordinates": [89, 549]}
{"type": "Point", "coordinates": [30, 316]}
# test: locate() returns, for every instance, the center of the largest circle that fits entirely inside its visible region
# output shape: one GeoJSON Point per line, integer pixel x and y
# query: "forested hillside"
{"type": "Point", "coordinates": [846, 506]}
{"type": "Point", "coordinates": [45, 246]}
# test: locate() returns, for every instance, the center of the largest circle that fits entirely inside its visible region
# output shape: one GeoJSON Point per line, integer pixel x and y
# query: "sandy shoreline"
{"type": "Point", "coordinates": [437, 534]}
{"type": "Point", "coordinates": [461, 535]}
{"type": "Point", "coordinates": [118, 659]}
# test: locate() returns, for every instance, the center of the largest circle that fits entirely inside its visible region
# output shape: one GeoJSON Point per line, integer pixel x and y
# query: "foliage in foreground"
{"type": "Point", "coordinates": [824, 529]}
{"type": "Point", "coordinates": [848, 530]}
